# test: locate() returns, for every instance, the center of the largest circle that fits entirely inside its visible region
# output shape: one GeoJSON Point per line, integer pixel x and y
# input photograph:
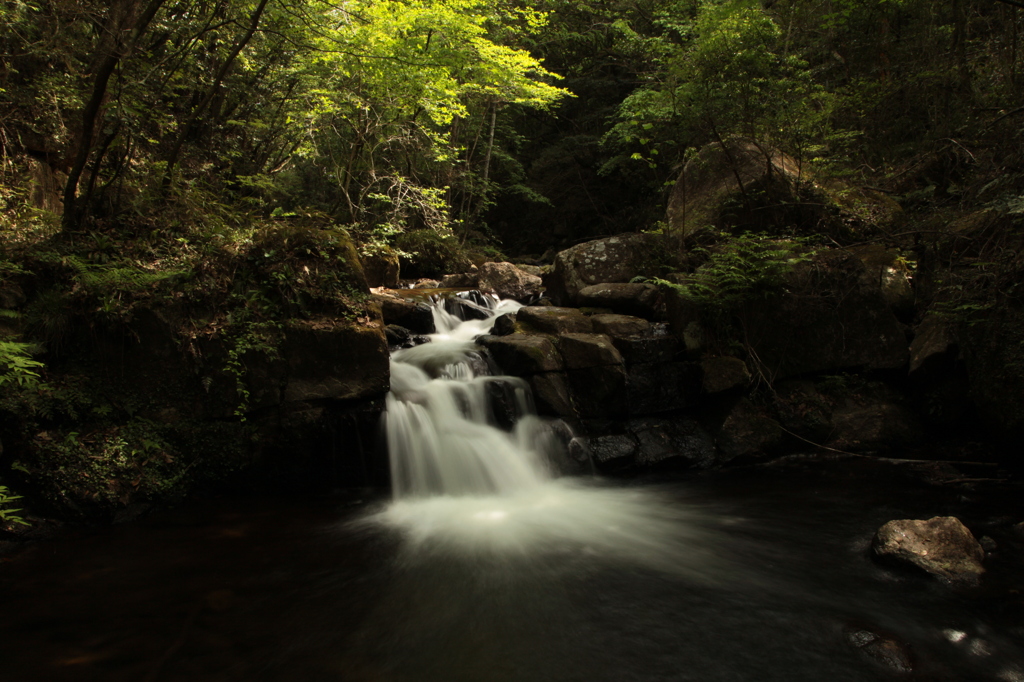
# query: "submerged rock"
{"type": "Point", "coordinates": [941, 546]}
{"type": "Point", "coordinates": [883, 649]}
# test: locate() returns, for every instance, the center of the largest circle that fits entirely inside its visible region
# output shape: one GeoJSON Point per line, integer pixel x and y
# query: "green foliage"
{"type": "Point", "coordinates": [7, 514]}
{"type": "Point", "coordinates": [741, 270]}
{"type": "Point", "coordinates": [432, 255]}
{"type": "Point", "coordinates": [17, 367]}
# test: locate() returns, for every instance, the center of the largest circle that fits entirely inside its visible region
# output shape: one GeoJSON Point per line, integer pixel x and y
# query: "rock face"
{"type": "Point", "coordinates": [614, 259]}
{"type": "Point", "coordinates": [828, 319]}
{"type": "Point", "coordinates": [941, 546]}
{"type": "Point", "coordinates": [507, 281]}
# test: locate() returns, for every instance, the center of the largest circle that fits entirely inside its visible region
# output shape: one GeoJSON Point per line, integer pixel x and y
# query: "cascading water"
{"type": "Point", "coordinates": [459, 479]}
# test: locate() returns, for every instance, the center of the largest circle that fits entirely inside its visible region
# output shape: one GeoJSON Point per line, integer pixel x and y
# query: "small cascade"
{"type": "Point", "coordinates": [464, 480]}
{"type": "Point", "coordinates": [443, 437]}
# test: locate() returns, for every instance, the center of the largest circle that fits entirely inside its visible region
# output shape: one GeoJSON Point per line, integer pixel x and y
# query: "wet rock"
{"type": "Point", "coordinates": [664, 441]}
{"type": "Point", "coordinates": [398, 337]}
{"type": "Point", "coordinates": [555, 320]}
{"type": "Point", "coordinates": [505, 400]}
{"type": "Point", "coordinates": [723, 373]}
{"type": "Point", "coordinates": [523, 354]}
{"type": "Point", "coordinates": [505, 280]}
{"type": "Point", "coordinates": [551, 395]}
{"type": "Point", "coordinates": [643, 300]}
{"type": "Point", "coordinates": [613, 452]}
{"type": "Point", "coordinates": [941, 546]}
{"type": "Point", "coordinates": [582, 351]}
{"type": "Point", "coordinates": [748, 433]}
{"type": "Point", "coordinates": [883, 649]}
{"type": "Point", "coordinates": [599, 392]}
{"type": "Point", "coordinates": [614, 259]}
{"type": "Point", "coordinates": [620, 325]}
{"type": "Point", "coordinates": [933, 347]}
{"type": "Point", "coordinates": [504, 325]}
{"type": "Point", "coordinates": [657, 387]}
{"type": "Point", "coordinates": [415, 315]}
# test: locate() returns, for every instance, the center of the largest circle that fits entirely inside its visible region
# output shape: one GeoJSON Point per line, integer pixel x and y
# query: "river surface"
{"type": "Point", "coordinates": [487, 567]}
{"type": "Point", "coordinates": [767, 575]}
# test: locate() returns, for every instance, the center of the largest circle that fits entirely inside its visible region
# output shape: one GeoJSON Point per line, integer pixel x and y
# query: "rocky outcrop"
{"type": "Point", "coordinates": [828, 318]}
{"type": "Point", "coordinates": [612, 260]}
{"type": "Point", "coordinates": [506, 280]}
{"type": "Point", "coordinates": [941, 546]}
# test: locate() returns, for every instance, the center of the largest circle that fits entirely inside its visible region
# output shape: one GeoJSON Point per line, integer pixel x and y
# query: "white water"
{"type": "Point", "coordinates": [462, 483]}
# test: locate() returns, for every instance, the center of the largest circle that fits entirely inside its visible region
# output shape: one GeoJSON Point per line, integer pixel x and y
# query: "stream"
{"type": "Point", "coordinates": [486, 566]}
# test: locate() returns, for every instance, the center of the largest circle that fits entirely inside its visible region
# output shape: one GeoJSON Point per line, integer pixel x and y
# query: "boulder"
{"type": "Point", "coordinates": [335, 359]}
{"type": "Point", "coordinates": [599, 392]}
{"type": "Point", "coordinates": [877, 424]}
{"type": "Point", "coordinates": [933, 347]}
{"type": "Point", "coordinates": [656, 346]}
{"type": "Point", "coordinates": [723, 373]}
{"type": "Point", "coordinates": [523, 354]}
{"type": "Point", "coordinates": [658, 387]}
{"type": "Point", "coordinates": [459, 280]}
{"type": "Point", "coordinates": [639, 299]}
{"type": "Point", "coordinates": [886, 268]}
{"type": "Point", "coordinates": [412, 313]}
{"type": "Point", "coordinates": [552, 396]}
{"type": "Point", "coordinates": [504, 325]}
{"type": "Point", "coordinates": [620, 325]}
{"type": "Point", "coordinates": [718, 172]}
{"type": "Point", "coordinates": [507, 281]}
{"type": "Point", "coordinates": [613, 259]}
{"type": "Point", "coordinates": [941, 546]}
{"type": "Point", "coordinates": [381, 268]}
{"type": "Point", "coordinates": [747, 433]}
{"type": "Point", "coordinates": [582, 351]}
{"type": "Point", "coordinates": [803, 410]}
{"type": "Point", "coordinates": [613, 452]}
{"type": "Point", "coordinates": [827, 319]}
{"type": "Point", "coordinates": [554, 320]}
{"type": "Point", "coordinates": [666, 442]}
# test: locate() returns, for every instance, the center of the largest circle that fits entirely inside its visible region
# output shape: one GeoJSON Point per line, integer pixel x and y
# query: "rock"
{"type": "Point", "coordinates": [381, 268]}
{"type": "Point", "coordinates": [827, 319]}
{"type": "Point", "coordinates": [469, 305]}
{"type": "Point", "coordinates": [613, 451]}
{"type": "Point", "coordinates": [748, 433]}
{"type": "Point", "coordinates": [523, 354]}
{"type": "Point", "coordinates": [933, 347]}
{"type": "Point", "coordinates": [886, 268]}
{"type": "Point", "coordinates": [551, 394]}
{"type": "Point", "coordinates": [718, 172]}
{"type": "Point", "coordinates": [657, 387]}
{"type": "Point", "coordinates": [883, 649]}
{"type": "Point", "coordinates": [599, 392]}
{"type": "Point", "coordinates": [679, 441]}
{"type": "Point", "coordinates": [656, 346]}
{"type": "Point", "coordinates": [335, 359]}
{"type": "Point", "coordinates": [504, 325]}
{"type": "Point", "coordinates": [582, 351]}
{"type": "Point", "coordinates": [398, 336]}
{"type": "Point", "coordinates": [803, 410]}
{"type": "Point", "coordinates": [878, 424]}
{"type": "Point", "coordinates": [426, 284]}
{"type": "Point", "coordinates": [461, 280]}
{"type": "Point", "coordinates": [613, 259]}
{"type": "Point", "coordinates": [723, 373]}
{"type": "Point", "coordinates": [620, 325]}
{"type": "Point", "coordinates": [941, 546]}
{"type": "Point", "coordinates": [684, 320]}
{"type": "Point", "coordinates": [624, 298]}
{"type": "Point", "coordinates": [554, 320]}
{"type": "Point", "coordinates": [411, 313]}
{"type": "Point", "coordinates": [507, 281]}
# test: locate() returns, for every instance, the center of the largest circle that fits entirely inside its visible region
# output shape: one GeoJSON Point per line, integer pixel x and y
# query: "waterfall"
{"type": "Point", "coordinates": [461, 481]}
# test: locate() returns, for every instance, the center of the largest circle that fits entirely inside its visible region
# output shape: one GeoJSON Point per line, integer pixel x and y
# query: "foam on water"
{"type": "Point", "coordinates": [463, 484]}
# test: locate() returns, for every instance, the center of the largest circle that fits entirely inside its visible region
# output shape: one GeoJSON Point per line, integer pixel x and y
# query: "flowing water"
{"type": "Point", "coordinates": [485, 566]}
